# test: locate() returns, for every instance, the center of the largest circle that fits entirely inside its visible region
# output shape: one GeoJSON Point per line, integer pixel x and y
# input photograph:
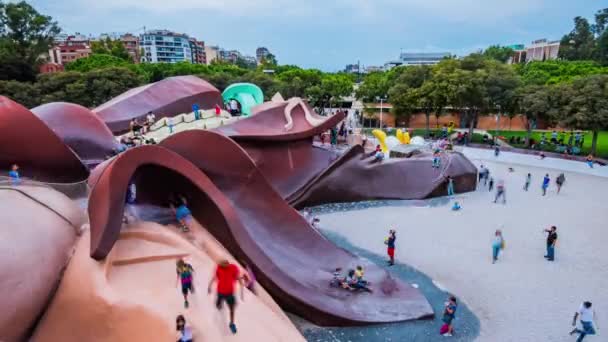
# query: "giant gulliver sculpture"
{"type": "Point", "coordinates": [242, 182]}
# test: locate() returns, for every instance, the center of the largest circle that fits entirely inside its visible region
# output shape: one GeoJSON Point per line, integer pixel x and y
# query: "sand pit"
{"type": "Point", "coordinates": [522, 297]}
{"type": "Point", "coordinates": [133, 296]}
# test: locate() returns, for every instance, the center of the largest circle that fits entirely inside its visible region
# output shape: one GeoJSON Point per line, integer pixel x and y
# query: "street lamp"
{"type": "Point", "coordinates": [382, 98]}
{"type": "Point", "coordinates": [497, 126]}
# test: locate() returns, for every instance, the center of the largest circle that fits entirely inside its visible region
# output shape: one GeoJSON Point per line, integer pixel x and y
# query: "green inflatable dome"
{"type": "Point", "coordinates": [247, 94]}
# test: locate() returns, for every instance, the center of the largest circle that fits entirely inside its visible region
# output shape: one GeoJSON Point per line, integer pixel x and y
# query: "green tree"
{"type": "Point", "coordinates": [88, 89]}
{"type": "Point", "coordinates": [333, 88]}
{"type": "Point", "coordinates": [601, 32]}
{"type": "Point", "coordinates": [25, 93]}
{"type": "Point", "coordinates": [501, 85]}
{"type": "Point", "coordinates": [112, 47]}
{"type": "Point", "coordinates": [579, 44]}
{"type": "Point", "coordinates": [412, 90]}
{"type": "Point", "coordinates": [96, 62]}
{"type": "Point", "coordinates": [535, 105]}
{"type": "Point", "coordinates": [375, 84]}
{"type": "Point", "coordinates": [269, 61]}
{"type": "Point", "coordinates": [588, 106]}
{"type": "Point", "coordinates": [296, 82]}
{"type": "Point", "coordinates": [556, 72]}
{"type": "Point", "coordinates": [25, 36]}
{"type": "Point", "coordinates": [499, 53]}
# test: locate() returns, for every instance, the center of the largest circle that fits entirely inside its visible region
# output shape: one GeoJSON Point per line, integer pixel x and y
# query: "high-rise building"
{"type": "Point", "coordinates": [519, 54]}
{"type": "Point", "coordinates": [422, 58]}
{"type": "Point", "coordinates": [352, 68]}
{"type": "Point", "coordinates": [391, 64]}
{"type": "Point", "coordinates": [230, 56]}
{"type": "Point", "coordinates": [71, 48]}
{"type": "Point", "coordinates": [131, 43]}
{"type": "Point", "coordinates": [211, 53]}
{"type": "Point", "coordinates": [542, 50]}
{"type": "Point", "coordinates": [165, 46]}
{"type": "Point", "coordinates": [198, 51]}
{"type": "Point", "coordinates": [261, 53]}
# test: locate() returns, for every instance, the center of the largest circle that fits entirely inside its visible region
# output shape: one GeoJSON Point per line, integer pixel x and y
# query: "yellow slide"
{"type": "Point", "coordinates": [381, 136]}
{"type": "Point", "coordinates": [403, 137]}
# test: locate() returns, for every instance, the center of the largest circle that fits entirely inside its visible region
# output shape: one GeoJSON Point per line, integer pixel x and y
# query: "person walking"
{"type": "Point", "coordinates": [390, 243]}
{"type": "Point", "coordinates": [497, 245]}
{"type": "Point", "coordinates": [586, 315]}
{"type": "Point", "coordinates": [450, 186]}
{"type": "Point", "coordinates": [545, 185]}
{"type": "Point", "coordinates": [551, 241]}
{"type": "Point", "coordinates": [491, 184]}
{"type": "Point", "coordinates": [559, 181]}
{"type": "Point", "coordinates": [227, 275]}
{"type": "Point", "coordinates": [184, 331]}
{"type": "Point", "coordinates": [528, 181]}
{"type": "Point", "coordinates": [449, 313]}
{"type": "Point", "coordinates": [184, 275]}
{"type": "Point", "coordinates": [500, 192]}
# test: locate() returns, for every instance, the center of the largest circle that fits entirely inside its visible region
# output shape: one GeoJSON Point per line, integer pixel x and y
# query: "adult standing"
{"type": "Point", "coordinates": [528, 181]}
{"type": "Point", "coordinates": [390, 243]}
{"type": "Point", "coordinates": [450, 186]}
{"type": "Point", "coordinates": [497, 245]}
{"type": "Point", "coordinates": [586, 315]}
{"type": "Point", "coordinates": [226, 275]}
{"type": "Point", "coordinates": [559, 181]}
{"type": "Point", "coordinates": [551, 241]}
{"type": "Point", "coordinates": [546, 181]}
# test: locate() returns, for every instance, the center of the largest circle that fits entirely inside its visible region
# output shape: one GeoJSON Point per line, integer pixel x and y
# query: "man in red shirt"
{"type": "Point", "coordinates": [226, 275]}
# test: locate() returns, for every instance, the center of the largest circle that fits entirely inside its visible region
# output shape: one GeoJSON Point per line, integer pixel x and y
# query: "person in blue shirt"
{"type": "Point", "coordinates": [449, 313]}
{"type": "Point", "coordinates": [456, 206]}
{"type": "Point", "coordinates": [545, 185]}
{"type": "Point", "coordinates": [14, 174]}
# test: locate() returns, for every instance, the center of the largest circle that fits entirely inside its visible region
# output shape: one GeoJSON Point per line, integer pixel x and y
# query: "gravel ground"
{"type": "Point", "coordinates": [414, 331]}
{"type": "Point", "coordinates": [523, 297]}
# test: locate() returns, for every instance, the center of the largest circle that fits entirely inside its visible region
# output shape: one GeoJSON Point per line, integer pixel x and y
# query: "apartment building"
{"type": "Point", "coordinates": [166, 47]}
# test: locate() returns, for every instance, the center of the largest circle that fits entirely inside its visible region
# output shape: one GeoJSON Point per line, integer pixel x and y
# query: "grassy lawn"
{"type": "Point", "coordinates": [602, 140]}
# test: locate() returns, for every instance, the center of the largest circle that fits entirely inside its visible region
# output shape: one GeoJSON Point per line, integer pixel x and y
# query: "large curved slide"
{"type": "Point", "coordinates": [357, 176]}
{"type": "Point", "coordinates": [293, 262]}
{"type": "Point", "coordinates": [279, 140]}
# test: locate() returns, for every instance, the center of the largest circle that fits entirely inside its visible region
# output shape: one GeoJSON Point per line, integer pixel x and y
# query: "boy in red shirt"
{"type": "Point", "coordinates": [226, 275]}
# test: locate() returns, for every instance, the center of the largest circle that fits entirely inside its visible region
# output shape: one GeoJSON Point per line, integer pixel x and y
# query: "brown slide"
{"type": "Point", "coordinates": [292, 261]}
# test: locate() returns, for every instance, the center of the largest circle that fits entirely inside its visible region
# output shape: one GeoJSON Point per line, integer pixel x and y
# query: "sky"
{"type": "Point", "coordinates": [327, 35]}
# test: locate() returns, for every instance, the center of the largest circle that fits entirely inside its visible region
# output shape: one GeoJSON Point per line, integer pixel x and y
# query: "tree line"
{"type": "Point", "coordinates": [26, 36]}
{"type": "Point", "coordinates": [571, 91]}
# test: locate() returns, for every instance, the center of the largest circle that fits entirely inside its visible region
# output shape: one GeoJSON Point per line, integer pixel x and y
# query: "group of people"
{"type": "Point", "coordinates": [484, 174]}
{"type": "Point", "coordinates": [353, 281]}
{"type": "Point", "coordinates": [226, 276]}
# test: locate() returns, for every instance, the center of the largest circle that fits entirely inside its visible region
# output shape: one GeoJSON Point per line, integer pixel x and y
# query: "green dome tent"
{"type": "Point", "coordinates": [247, 94]}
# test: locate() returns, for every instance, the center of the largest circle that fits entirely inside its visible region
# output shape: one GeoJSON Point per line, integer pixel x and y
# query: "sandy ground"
{"type": "Point", "coordinates": [523, 297]}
